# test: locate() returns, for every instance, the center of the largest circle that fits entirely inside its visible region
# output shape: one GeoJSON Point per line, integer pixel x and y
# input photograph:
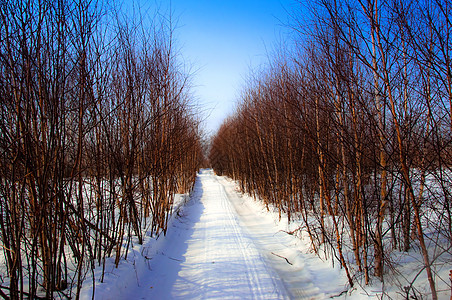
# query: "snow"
{"type": "Point", "coordinates": [212, 257]}
{"type": "Point", "coordinates": [225, 245]}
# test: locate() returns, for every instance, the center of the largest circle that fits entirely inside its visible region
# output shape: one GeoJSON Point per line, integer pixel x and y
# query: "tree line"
{"type": "Point", "coordinates": [349, 131]}
{"type": "Point", "coordinates": [98, 131]}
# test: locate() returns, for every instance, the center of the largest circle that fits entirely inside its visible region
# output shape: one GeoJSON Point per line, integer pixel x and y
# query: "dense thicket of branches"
{"type": "Point", "coordinates": [97, 134]}
{"type": "Point", "coordinates": [351, 132]}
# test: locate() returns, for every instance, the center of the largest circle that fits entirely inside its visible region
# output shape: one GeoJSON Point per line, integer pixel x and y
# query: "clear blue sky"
{"type": "Point", "coordinates": [223, 40]}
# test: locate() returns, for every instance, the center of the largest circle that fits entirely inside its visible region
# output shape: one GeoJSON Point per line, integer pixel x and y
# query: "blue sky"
{"type": "Point", "coordinates": [223, 41]}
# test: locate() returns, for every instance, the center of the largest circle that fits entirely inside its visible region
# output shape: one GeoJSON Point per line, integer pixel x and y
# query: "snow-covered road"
{"type": "Point", "coordinates": [222, 250]}
{"type": "Point", "coordinates": [215, 258]}
{"type": "Point", "coordinates": [218, 247]}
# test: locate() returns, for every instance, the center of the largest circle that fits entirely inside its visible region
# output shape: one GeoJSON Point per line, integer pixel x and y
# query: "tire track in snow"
{"type": "Point", "coordinates": [221, 261]}
{"type": "Point", "coordinates": [245, 248]}
{"type": "Point", "coordinates": [277, 247]}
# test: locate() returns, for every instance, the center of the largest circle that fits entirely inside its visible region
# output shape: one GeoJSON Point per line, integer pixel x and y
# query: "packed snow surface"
{"type": "Point", "coordinates": [212, 257]}
{"type": "Point", "coordinates": [219, 245]}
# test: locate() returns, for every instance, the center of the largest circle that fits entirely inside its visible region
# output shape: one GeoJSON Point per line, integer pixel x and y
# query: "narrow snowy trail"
{"type": "Point", "coordinates": [216, 248]}
{"type": "Point", "coordinates": [220, 261]}
{"type": "Point", "coordinates": [215, 255]}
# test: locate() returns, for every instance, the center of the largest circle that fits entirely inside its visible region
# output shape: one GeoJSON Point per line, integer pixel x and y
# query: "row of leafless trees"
{"type": "Point", "coordinates": [350, 130]}
{"type": "Point", "coordinates": [97, 134]}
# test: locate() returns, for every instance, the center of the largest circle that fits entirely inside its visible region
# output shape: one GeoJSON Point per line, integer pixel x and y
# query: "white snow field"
{"type": "Point", "coordinates": [220, 245]}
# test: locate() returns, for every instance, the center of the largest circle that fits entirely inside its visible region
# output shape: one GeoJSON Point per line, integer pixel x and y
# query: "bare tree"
{"type": "Point", "coordinates": [97, 134]}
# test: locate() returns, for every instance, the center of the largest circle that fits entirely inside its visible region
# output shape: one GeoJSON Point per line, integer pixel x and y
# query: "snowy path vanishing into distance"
{"type": "Point", "coordinates": [218, 260]}
{"type": "Point", "coordinates": [218, 247]}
